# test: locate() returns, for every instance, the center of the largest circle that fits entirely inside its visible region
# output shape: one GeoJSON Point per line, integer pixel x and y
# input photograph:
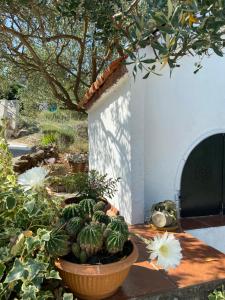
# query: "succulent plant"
{"type": "Point", "coordinates": [58, 244]}
{"type": "Point", "coordinates": [83, 257]}
{"type": "Point", "coordinates": [119, 225]}
{"type": "Point", "coordinates": [74, 225]}
{"type": "Point", "coordinates": [101, 217]}
{"type": "Point", "coordinates": [115, 242]}
{"type": "Point", "coordinates": [76, 250]}
{"type": "Point", "coordinates": [71, 211]}
{"type": "Point", "coordinates": [100, 205]}
{"type": "Point", "coordinates": [87, 206]}
{"type": "Point", "coordinates": [90, 238]}
{"type": "Point", "coordinates": [88, 232]}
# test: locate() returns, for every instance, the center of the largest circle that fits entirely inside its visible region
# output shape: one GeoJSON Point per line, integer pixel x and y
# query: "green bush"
{"type": "Point", "coordinates": [90, 185]}
{"type": "Point", "coordinates": [62, 136]}
{"type": "Point", "coordinates": [48, 139]}
{"type": "Point", "coordinates": [26, 269]}
{"type": "Point", "coordinates": [217, 294]}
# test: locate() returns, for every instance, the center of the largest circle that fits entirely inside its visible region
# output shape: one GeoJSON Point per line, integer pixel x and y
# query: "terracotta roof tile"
{"type": "Point", "coordinates": [109, 77]}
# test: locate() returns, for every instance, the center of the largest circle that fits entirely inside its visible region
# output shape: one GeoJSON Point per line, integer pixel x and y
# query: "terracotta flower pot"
{"type": "Point", "coordinates": [95, 282]}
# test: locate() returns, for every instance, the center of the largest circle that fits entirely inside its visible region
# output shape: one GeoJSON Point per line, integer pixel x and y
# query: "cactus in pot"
{"type": "Point", "coordinates": [86, 231]}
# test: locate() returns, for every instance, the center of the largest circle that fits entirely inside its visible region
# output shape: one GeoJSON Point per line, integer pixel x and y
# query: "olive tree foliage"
{"type": "Point", "coordinates": [67, 44]}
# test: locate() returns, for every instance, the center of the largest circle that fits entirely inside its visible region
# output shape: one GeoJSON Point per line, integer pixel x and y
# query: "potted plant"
{"type": "Point", "coordinates": [164, 214]}
{"type": "Point", "coordinates": [38, 237]}
{"type": "Point", "coordinates": [93, 251]}
{"type": "Point", "coordinates": [78, 162]}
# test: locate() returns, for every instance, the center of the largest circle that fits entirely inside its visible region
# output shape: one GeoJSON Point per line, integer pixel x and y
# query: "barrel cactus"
{"type": "Point", "coordinates": [58, 244]}
{"type": "Point", "coordinates": [101, 217]}
{"type": "Point", "coordinates": [117, 224]}
{"type": "Point", "coordinates": [87, 206]}
{"type": "Point", "coordinates": [100, 205]}
{"type": "Point", "coordinates": [83, 257]}
{"type": "Point", "coordinates": [90, 239]}
{"type": "Point", "coordinates": [115, 242]}
{"type": "Point", "coordinates": [76, 250]}
{"type": "Point", "coordinates": [71, 211]}
{"type": "Point", "coordinates": [74, 225]}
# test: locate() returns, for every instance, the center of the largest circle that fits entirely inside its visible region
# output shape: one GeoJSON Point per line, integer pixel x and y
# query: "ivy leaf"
{"type": "Point", "coordinates": [29, 292]}
{"type": "Point", "coordinates": [17, 272]}
{"type": "Point", "coordinates": [35, 267]}
{"type": "Point", "coordinates": [2, 269]}
{"type": "Point", "coordinates": [53, 274]}
{"type": "Point", "coordinates": [10, 202]}
{"type": "Point", "coordinates": [29, 206]}
{"type": "Point", "coordinates": [67, 296]}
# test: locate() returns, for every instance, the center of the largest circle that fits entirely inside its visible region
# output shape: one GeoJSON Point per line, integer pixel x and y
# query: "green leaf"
{"type": "Point", "coordinates": [67, 296]}
{"type": "Point", "coordinates": [10, 202]}
{"type": "Point", "coordinates": [2, 269]}
{"type": "Point", "coordinates": [35, 267]}
{"type": "Point", "coordinates": [148, 61]}
{"type": "Point", "coordinates": [29, 206]}
{"type": "Point", "coordinates": [170, 8]}
{"type": "Point", "coordinates": [17, 272]}
{"type": "Point", "coordinates": [29, 292]}
{"type": "Point", "coordinates": [146, 75]}
{"type": "Point", "coordinates": [53, 274]}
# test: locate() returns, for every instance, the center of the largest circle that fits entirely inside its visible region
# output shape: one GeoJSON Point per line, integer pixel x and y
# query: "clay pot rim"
{"type": "Point", "coordinates": [98, 270]}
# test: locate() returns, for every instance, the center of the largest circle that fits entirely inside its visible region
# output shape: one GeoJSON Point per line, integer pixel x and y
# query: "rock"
{"type": "Point", "coordinates": [22, 132]}
{"type": "Point", "coordinates": [21, 166]}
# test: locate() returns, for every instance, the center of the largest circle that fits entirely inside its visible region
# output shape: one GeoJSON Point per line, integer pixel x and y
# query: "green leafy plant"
{"type": "Point", "coordinates": [87, 185]}
{"type": "Point", "coordinates": [218, 294]}
{"type": "Point", "coordinates": [35, 229]}
{"type": "Point", "coordinates": [48, 139]}
{"type": "Point", "coordinates": [26, 217]}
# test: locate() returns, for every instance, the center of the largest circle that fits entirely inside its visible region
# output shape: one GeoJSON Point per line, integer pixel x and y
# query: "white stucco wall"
{"type": "Point", "coordinates": [115, 147]}
{"type": "Point", "coordinates": [179, 113]}
{"type": "Point", "coordinates": [144, 130]}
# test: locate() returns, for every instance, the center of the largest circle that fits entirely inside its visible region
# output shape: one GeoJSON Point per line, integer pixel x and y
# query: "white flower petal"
{"type": "Point", "coordinates": [33, 178]}
{"type": "Point", "coordinates": [166, 249]}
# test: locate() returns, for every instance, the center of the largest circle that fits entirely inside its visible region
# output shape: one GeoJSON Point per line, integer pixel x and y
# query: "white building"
{"type": "Point", "coordinates": [163, 136]}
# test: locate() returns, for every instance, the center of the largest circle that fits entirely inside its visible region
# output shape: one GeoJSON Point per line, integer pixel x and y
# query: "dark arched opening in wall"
{"type": "Point", "coordinates": [203, 179]}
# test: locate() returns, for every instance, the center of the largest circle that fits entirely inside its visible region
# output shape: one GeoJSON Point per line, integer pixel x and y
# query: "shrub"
{"type": "Point", "coordinates": [48, 139]}
{"type": "Point", "coordinates": [89, 185]}
{"type": "Point", "coordinates": [62, 136]}
{"type": "Point", "coordinates": [217, 294]}
{"type": "Point", "coordinates": [26, 218]}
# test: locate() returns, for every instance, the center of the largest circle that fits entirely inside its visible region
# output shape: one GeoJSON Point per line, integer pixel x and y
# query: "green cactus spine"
{"type": "Point", "coordinates": [87, 206]}
{"type": "Point", "coordinates": [101, 217]}
{"type": "Point", "coordinates": [90, 239]}
{"type": "Point", "coordinates": [99, 206]}
{"type": "Point", "coordinates": [71, 211]}
{"type": "Point", "coordinates": [74, 225]}
{"type": "Point", "coordinates": [76, 250]}
{"type": "Point", "coordinates": [58, 244]}
{"type": "Point", "coordinates": [115, 242]}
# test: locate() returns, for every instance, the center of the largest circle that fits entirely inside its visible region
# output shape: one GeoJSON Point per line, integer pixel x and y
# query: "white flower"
{"type": "Point", "coordinates": [33, 178]}
{"type": "Point", "coordinates": [166, 249]}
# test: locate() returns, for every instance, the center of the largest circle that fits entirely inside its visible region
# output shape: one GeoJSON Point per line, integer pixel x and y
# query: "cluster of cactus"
{"type": "Point", "coordinates": [86, 229]}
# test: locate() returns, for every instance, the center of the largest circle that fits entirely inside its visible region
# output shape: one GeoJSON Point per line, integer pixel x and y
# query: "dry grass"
{"type": "Point", "coordinates": [30, 140]}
